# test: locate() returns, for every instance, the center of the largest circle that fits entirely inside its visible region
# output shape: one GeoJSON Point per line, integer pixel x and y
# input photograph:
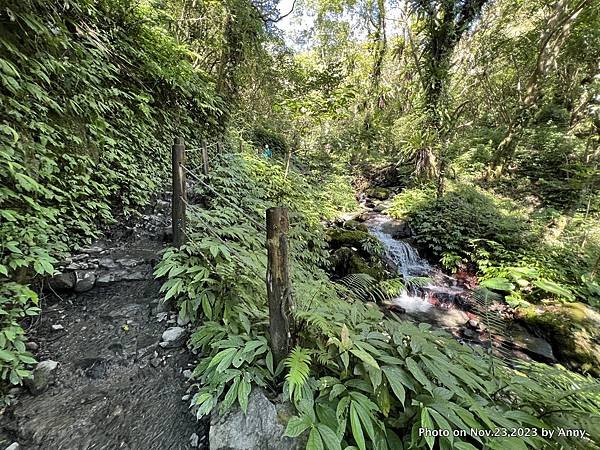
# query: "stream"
{"type": "Point", "coordinates": [446, 301]}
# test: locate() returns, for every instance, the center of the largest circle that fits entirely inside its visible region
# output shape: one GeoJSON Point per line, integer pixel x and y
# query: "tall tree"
{"type": "Point", "coordinates": [443, 24]}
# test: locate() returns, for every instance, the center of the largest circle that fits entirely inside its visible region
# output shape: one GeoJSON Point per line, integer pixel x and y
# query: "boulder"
{"type": "Point", "coordinates": [261, 428]}
{"type": "Point", "coordinates": [43, 376]}
{"type": "Point", "coordinates": [173, 337]}
{"type": "Point", "coordinates": [346, 261]}
{"type": "Point", "coordinates": [84, 281]}
{"type": "Point", "coordinates": [573, 330]}
{"type": "Point", "coordinates": [355, 225]}
{"type": "Point", "coordinates": [338, 237]}
{"type": "Point", "coordinates": [63, 281]}
{"type": "Point", "coordinates": [535, 346]}
{"type": "Point", "coordinates": [379, 193]}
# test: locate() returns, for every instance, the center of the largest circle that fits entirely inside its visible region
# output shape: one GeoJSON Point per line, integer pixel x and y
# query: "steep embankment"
{"type": "Point", "coordinates": [91, 95]}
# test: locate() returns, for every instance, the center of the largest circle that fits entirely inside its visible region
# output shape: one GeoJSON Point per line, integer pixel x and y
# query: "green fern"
{"type": "Point", "coordinates": [298, 364]}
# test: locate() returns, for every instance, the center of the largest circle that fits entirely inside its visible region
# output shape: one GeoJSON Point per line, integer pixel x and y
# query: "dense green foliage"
{"type": "Point", "coordinates": [355, 377]}
{"type": "Point", "coordinates": [87, 121]}
{"type": "Point", "coordinates": [481, 115]}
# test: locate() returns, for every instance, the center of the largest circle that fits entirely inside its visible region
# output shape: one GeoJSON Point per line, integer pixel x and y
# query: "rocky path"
{"type": "Point", "coordinates": [115, 365]}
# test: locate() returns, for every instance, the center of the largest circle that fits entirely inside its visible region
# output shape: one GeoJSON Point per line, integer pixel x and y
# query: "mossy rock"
{"type": "Point", "coordinates": [573, 329]}
{"type": "Point", "coordinates": [379, 193]}
{"type": "Point", "coordinates": [356, 225]}
{"type": "Point", "coordinates": [346, 261]}
{"type": "Point", "coordinates": [339, 237]}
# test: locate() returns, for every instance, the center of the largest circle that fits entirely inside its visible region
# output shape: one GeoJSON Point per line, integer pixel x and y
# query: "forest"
{"type": "Point", "coordinates": [437, 163]}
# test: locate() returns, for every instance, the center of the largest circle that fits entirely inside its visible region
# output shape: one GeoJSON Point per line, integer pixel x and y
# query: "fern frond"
{"type": "Point", "coordinates": [298, 364]}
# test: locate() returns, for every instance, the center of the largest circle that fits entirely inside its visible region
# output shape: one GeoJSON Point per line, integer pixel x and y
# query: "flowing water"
{"type": "Point", "coordinates": [440, 300]}
{"type": "Point", "coordinates": [432, 301]}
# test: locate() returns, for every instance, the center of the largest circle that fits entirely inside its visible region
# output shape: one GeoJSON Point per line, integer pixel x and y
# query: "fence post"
{"type": "Point", "coordinates": [279, 292]}
{"type": "Point", "coordinates": [204, 158]}
{"type": "Point", "coordinates": [179, 193]}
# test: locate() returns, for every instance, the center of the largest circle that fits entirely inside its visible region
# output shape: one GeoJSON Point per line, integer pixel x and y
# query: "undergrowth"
{"type": "Point", "coordinates": [542, 253]}
{"type": "Point", "coordinates": [356, 378]}
{"type": "Point", "coordinates": [91, 95]}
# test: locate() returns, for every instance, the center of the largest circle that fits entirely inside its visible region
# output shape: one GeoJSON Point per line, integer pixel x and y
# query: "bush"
{"type": "Point", "coordinates": [83, 136]}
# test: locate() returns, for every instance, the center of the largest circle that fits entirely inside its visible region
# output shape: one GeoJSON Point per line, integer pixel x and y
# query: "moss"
{"type": "Point", "coordinates": [346, 261]}
{"type": "Point", "coordinates": [356, 225]}
{"type": "Point", "coordinates": [573, 329]}
{"type": "Point", "coordinates": [379, 193]}
{"type": "Point", "coordinates": [338, 237]}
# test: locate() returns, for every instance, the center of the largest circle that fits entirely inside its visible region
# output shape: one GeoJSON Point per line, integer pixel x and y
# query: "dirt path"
{"type": "Point", "coordinates": [115, 387]}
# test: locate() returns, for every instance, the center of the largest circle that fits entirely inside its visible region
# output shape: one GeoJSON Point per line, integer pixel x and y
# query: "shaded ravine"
{"type": "Point", "coordinates": [117, 385]}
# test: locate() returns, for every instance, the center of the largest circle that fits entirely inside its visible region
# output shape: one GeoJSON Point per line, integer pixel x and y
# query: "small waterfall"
{"type": "Point", "coordinates": [404, 255]}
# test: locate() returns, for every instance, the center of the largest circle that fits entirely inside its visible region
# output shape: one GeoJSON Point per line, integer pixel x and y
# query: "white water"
{"type": "Point", "coordinates": [404, 255]}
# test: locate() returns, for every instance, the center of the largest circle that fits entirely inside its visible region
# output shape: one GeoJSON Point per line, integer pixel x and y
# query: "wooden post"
{"type": "Point", "coordinates": [279, 290]}
{"type": "Point", "coordinates": [204, 158]}
{"type": "Point", "coordinates": [179, 193]}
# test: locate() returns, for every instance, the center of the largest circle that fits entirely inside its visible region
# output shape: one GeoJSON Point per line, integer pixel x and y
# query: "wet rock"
{"type": "Point", "coordinates": [63, 281]}
{"type": "Point", "coordinates": [135, 276]}
{"type": "Point", "coordinates": [355, 225]}
{"type": "Point", "coordinates": [262, 427]}
{"type": "Point", "coordinates": [398, 229]}
{"type": "Point", "coordinates": [84, 281]}
{"type": "Point", "coordinates": [173, 337]}
{"type": "Point", "coordinates": [129, 262]}
{"type": "Point", "coordinates": [43, 375]}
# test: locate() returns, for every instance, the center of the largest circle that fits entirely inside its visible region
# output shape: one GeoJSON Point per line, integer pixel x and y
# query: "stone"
{"type": "Point", "coordinates": [13, 446]}
{"type": "Point", "coordinates": [470, 334]}
{"type": "Point", "coordinates": [105, 279]}
{"type": "Point", "coordinates": [135, 276]}
{"type": "Point", "coordinates": [187, 374]}
{"type": "Point", "coordinates": [129, 262]}
{"type": "Point", "coordinates": [185, 398]}
{"type": "Point", "coordinates": [379, 193]}
{"type": "Point", "coordinates": [85, 281]}
{"type": "Point", "coordinates": [355, 225]}
{"type": "Point", "coordinates": [32, 346]}
{"type": "Point", "coordinates": [472, 324]}
{"type": "Point", "coordinates": [398, 229]}
{"type": "Point", "coordinates": [57, 327]}
{"type": "Point", "coordinates": [262, 427]}
{"type": "Point", "coordinates": [194, 440]}
{"type": "Point", "coordinates": [533, 345]}
{"type": "Point", "coordinates": [107, 263]}
{"type": "Point", "coordinates": [43, 375]}
{"type": "Point", "coordinates": [155, 362]}
{"type": "Point", "coordinates": [572, 329]}
{"type": "Point", "coordinates": [63, 281]}
{"type": "Point", "coordinates": [173, 337]}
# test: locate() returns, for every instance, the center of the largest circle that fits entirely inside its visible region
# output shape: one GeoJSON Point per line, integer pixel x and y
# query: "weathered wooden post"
{"type": "Point", "coordinates": [204, 158]}
{"type": "Point", "coordinates": [279, 290]}
{"type": "Point", "coordinates": [179, 193]}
